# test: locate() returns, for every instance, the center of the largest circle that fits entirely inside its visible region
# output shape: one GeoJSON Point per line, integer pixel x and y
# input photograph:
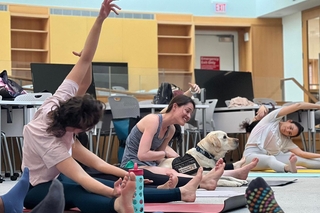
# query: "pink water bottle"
{"type": "Point", "coordinates": [138, 200]}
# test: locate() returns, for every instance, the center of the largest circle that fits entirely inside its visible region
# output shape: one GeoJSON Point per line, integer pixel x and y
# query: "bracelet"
{"type": "Point", "coordinates": [192, 91]}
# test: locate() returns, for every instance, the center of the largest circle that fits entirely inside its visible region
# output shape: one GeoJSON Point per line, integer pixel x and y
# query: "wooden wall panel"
{"type": "Point", "coordinates": [67, 34]}
{"type": "Point", "coordinates": [5, 42]}
{"type": "Point", "coordinates": [25, 9]}
{"type": "Point", "coordinates": [235, 22]}
{"type": "Point", "coordinates": [110, 47]}
{"type": "Point", "coordinates": [306, 15]}
{"type": "Point", "coordinates": [140, 51]}
{"type": "Point", "coordinates": [267, 61]}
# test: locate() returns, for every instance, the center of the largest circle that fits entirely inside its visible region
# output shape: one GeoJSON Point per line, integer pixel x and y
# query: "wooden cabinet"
{"type": "Point", "coordinates": [29, 38]}
{"type": "Point", "coordinates": [175, 49]}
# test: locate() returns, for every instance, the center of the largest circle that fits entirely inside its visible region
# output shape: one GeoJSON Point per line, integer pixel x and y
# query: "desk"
{"type": "Point", "coordinates": [14, 128]}
{"type": "Point", "coordinates": [24, 105]}
{"type": "Point", "coordinates": [229, 119]}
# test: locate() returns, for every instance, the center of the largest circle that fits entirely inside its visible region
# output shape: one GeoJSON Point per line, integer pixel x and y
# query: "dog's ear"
{"type": "Point", "coordinates": [216, 143]}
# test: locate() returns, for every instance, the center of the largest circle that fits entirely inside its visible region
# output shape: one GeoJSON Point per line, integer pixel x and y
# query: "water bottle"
{"type": "Point", "coordinates": [138, 200]}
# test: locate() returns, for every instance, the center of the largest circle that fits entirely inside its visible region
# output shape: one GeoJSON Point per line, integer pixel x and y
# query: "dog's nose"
{"type": "Point", "coordinates": [236, 140]}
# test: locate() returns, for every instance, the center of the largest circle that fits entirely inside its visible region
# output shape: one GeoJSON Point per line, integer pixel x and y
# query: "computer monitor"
{"type": "Point", "coordinates": [48, 77]}
{"type": "Point", "coordinates": [225, 85]}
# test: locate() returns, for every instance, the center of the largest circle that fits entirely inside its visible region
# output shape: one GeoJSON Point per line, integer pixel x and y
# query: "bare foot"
{"type": "Point", "coordinates": [210, 180]}
{"type": "Point", "coordinates": [171, 183]}
{"type": "Point", "coordinates": [239, 163]}
{"type": "Point", "coordinates": [123, 204]}
{"type": "Point", "coordinates": [188, 191]}
{"type": "Point", "coordinates": [292, 164]}
{"type": "Point", "coordinates": [242, 173]}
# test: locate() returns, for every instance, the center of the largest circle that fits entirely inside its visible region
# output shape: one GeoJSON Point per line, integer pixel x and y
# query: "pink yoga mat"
{"type": "Point", "coordinates": [74, 210]}
{"type": "Point", "coordinates": [231, 203]}
{"type": "Point", "coordinates": [183, 207]}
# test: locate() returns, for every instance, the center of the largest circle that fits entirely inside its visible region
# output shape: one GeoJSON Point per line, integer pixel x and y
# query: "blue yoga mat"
{"type": "Point", "coordinates": [289, 175]}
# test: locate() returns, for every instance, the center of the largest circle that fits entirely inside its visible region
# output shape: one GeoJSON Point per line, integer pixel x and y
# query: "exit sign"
{"type": "Point", "coordinates": [221, 7]}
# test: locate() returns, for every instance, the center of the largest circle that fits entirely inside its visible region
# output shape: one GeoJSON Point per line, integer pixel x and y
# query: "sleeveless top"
{"type": "Point", "coordinates": [133, 142]}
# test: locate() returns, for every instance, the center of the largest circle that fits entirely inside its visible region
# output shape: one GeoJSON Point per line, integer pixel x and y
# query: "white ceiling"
{"type": "Point", "coordinates": [292, 9]}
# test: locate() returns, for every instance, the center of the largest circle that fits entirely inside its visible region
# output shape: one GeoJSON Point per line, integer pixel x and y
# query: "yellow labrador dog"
{"type": "Point", "coordinates": [208, 151]}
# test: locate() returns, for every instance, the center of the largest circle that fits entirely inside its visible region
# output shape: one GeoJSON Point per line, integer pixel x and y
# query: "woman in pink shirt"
{"type": "Point", "coordinates": [50, 149]}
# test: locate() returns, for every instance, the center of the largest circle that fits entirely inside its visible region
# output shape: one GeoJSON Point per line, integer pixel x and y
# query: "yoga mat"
{"type": "Point", "coordinates": [231, 203]}
{"type": "Point", "coordinates": [279, 182]}
{"type": "Point", "coordinates": [74, 210]}
{"type": "Point", "coordinates": [216, 193]}
{"type": "Point", "coordinates": [299, 171]}
{"type": "Point", "coordinates": [289, 175]}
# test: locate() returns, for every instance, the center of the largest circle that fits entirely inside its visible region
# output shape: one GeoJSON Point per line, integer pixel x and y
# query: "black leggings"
{"type": "Point", "coordinates": [76, 196]}
{"type": "Point", "coordinates": [157, 179]}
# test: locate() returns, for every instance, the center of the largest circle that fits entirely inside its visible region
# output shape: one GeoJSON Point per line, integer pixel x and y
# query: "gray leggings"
{"type": "Point", "coordinates": [276, 162]}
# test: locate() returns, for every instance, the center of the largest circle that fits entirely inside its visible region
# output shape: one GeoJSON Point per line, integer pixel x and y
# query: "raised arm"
{"type": "Point", "coordinates": [194, 89]}
{"type": "Point", "coordinates": [297, 106]}
{"type": "Point", "coordinates": [262, 111]}
{"type": "Point", "coordinates": [83, 87]}
{"type": "Point", "coordinates": [81, 68]}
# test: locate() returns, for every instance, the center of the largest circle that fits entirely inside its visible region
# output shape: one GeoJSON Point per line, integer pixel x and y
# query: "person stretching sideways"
{"type": "Point", "coordinates": [271, 141]}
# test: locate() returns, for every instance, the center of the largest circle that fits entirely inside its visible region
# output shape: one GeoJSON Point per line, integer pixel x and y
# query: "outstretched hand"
{"type": "Point", "coordinates": [106, 7]}
{"type": "Point", "coordinates": [77, 53]}
{"type": "Point", "coordinates": [263, 111]}
{"type": "Point", "coordinates": [194, 88]}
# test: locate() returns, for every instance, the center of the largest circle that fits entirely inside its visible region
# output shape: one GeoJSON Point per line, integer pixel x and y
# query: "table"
{"type": "Point", "coordinates": [24, 105]}
{"type": "Point", "coordinates": [11, 129]}
{"type": "Point", "coordinates": [229, 120]}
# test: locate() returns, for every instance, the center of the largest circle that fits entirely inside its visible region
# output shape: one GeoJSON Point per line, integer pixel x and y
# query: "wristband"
{"type": "Point", "coordinates": [192, 91]}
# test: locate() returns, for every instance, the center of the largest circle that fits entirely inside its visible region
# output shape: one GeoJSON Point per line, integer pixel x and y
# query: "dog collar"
{"type": "Point", "coordinates": [205, 153]}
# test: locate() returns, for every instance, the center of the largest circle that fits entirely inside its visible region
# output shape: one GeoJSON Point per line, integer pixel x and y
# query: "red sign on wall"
{"type": "Point", "coordinates": [221, 7]}
{"type": "Point", "coordinates": [210, 62]}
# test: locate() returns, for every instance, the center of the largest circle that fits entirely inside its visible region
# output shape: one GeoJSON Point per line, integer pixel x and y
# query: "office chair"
{"type": "Point", "coordinates": [122, 108]}
{"type": "Point", "coordinates": [209, 115]}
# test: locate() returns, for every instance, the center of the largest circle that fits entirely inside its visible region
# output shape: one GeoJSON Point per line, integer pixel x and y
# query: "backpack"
{"type": "Point", "coordinates": [9, 89]}
{"type": "Point", "coordinates": [164, 94]}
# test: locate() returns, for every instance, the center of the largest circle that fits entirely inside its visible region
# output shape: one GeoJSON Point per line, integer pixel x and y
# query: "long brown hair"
{"type": "Point", "coordinates": [81, 112]}
{"type": "Point", "coordinates": [180, 100]}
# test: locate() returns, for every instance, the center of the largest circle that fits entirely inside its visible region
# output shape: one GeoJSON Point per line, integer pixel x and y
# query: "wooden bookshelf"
{"type": "Point", "coordinates": [29, 38]}
{"type": "Point", "coordinates": [175, 49]}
